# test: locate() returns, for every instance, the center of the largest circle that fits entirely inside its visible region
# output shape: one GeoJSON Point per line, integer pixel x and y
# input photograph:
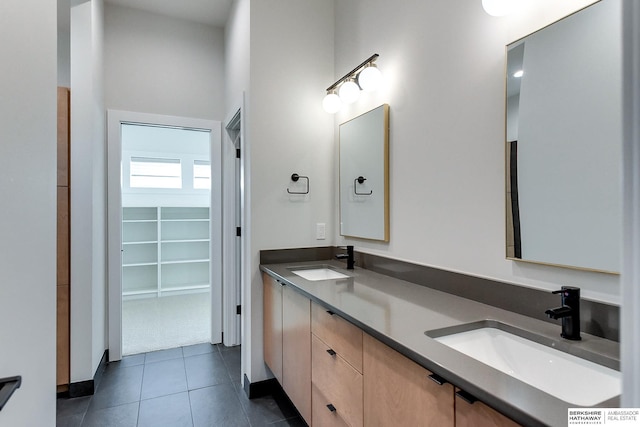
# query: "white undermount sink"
{"type": "Point", "coordinates": [573, 379]}
{"type": "Point", "coordinates": [321, 273]}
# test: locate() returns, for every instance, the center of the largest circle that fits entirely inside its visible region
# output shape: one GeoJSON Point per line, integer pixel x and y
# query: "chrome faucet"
{"type": "Point", "coordinates": [348, 256]}
{"type": "Point", "coordinates": [569, 312]}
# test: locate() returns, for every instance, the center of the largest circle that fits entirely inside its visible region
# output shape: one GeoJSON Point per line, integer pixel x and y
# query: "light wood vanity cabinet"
{"type": "Point", "coordinates": [398, 391]}
{"type": "Point", "coordinates": [336, 374]}
{"type": "Point", "coordinates": [287, 341]}
{"type": "Point", "coordinates": [478, 414]}
{"type": "Point", "coordinates": [272, 325]}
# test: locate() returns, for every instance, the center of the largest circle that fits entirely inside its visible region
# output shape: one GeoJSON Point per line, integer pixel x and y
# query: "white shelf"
{"type": "Point", "coordinates": [165, 249]}
{"type": "Point", "coordinates": [139, 264]}
{"type": "Point", "coordinates": [184, 220]}
{"type": "Point", "coordinates": [187, 288]}
{"type": "Point", "coordinates": [184, 241]}
{"type": "Point", "coordinates": [186, 261]}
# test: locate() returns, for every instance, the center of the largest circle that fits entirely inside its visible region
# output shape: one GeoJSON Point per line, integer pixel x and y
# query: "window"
{"type": "Point", "coordinates": [147, 172]}
{"type": "Point", "coordinates": [201, 174]}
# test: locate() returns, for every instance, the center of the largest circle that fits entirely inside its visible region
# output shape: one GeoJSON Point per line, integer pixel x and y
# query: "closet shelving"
{"type": "Point", "coordinates": [165, 250]}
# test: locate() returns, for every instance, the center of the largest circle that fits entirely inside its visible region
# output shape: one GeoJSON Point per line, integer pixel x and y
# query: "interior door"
{"type": "Point", "coordinates": [174, 219]}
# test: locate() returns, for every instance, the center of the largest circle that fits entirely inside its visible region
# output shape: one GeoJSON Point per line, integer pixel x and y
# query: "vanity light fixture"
{"type": "Point", "coordinates": [368, 78]}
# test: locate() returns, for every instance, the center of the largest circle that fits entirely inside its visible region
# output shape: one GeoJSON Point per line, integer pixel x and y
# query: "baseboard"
{"type": "Point", "coordinates": [87, 388]}
{"type": "Point", "coordinates": [260, 388]}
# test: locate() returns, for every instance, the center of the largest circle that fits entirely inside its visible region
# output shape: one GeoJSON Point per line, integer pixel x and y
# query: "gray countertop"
{"type": "Point", "coordinates": [399, 313]}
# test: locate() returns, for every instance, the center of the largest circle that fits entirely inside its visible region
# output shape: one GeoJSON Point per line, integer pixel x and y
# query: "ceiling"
{"type": "Point", "coordinates": [211, 12]}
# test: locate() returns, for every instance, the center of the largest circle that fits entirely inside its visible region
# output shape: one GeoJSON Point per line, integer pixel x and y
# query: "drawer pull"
{"type": "Point", "coordinates": [331, 407]}
{"type": "Point", "coordinates": [331, 352]}
{"type": "Point", "coordinates": [437, 379]}
{"type": "Point", "coordinates": [330, 313]}
{"type": "Point", "coordinates": [470, 399]}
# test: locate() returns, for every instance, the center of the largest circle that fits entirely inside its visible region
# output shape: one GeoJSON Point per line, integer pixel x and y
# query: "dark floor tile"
{"type": "Point", "coordinates": [166, 411]}
{"type": "Point", "coordinates": [70, 420]}
{"type": "Point", "coordinates": [217, 406]}
{"type": "Point", "coordinates": [265, 410]}
{"type": "Point", "coordinates": [118, 386]}
{"type": "Point", "coordinates": [66, 407]}
{"type": "Point", "coordinates": [157, 356]}
{"type": "Point", "coordinates": [164, 378]}
{"type": "Point", "coordinates": [133, 360]}
{"type": "Point", "coordinates": [117, 416]}
{"type": "Point", "coordinates": [292, 422]}
{"type": "Point", "coordinates": [206, 370]}
{"type": "Point", "coordinates": [231, 358]}
{"type": "Point", "coordinates": [196, 349]}
{"type": "Point", "coordinates": [223, 347]}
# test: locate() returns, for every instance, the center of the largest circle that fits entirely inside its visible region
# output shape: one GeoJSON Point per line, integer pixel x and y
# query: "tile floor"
{"type": "Point", "coordinates": [195, 386]}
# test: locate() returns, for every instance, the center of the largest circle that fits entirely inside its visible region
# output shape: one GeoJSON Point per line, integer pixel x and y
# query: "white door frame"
{"type": "Point", "coordinates": [231, 243]}
{"type": "Point", "coordinates": [115, 118]}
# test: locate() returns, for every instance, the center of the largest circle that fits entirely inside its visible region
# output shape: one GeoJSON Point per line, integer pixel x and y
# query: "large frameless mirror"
{"type": "Point", "coordinates": [564, 142]}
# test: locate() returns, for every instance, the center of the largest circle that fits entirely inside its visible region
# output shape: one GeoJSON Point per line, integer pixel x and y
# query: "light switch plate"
{"type": "Point", "coordinates": [320, 231]}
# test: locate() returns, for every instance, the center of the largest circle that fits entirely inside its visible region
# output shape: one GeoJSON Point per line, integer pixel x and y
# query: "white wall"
{"type": "Point", "coordinates": [288, 132]}
{"type": "Point", "coordinates": [162, 65]}
{"type": "Point", "coordinates": [444, 64]}
{"type": "Point", "coordinates": [237, 53]}
{"type": "Point", "coordinates": [64, 65]}
{"type": "Point", "coordinates": [88, 191]}
{"type": "Point", "coordinates": [28, 213]}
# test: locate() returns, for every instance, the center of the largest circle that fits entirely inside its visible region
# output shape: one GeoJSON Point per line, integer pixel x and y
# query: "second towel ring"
{"type": "Point", "coordinates": [295, 177]}
{"type": "Point", "coordinates": [360, 180]}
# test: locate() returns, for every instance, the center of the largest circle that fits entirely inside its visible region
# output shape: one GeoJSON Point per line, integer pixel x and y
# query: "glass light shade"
{"type": "Point", "coordinates": [498, 7]}
{"type": "Point", "coordinates": [349, 92]}
{"type": "Point", "coordinates": [331, 103]}
{"type": "Point", "coordinates": [370, 78]}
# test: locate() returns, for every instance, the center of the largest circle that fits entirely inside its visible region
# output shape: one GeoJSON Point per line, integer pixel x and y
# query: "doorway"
{"type": "Point", "coordinates": [165, 244]}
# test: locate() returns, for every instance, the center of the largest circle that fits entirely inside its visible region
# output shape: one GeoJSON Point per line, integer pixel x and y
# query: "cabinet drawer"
{"type": "Point", "coordinates": [338, 382]}
{"type": "Point", "coordinates": [398, 391]}
{"type": "Point", "coordinates": [478, 414]}
{"type": "Point", "coordinates": [340, 335]}
{"type": "Point", "coordinates": [321, 415]}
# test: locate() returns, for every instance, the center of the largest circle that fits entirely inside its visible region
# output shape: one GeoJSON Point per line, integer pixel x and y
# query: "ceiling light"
{"type": "Point", "coordinates": [518, 73]}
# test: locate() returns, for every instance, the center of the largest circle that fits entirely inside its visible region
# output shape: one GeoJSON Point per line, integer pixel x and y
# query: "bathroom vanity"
{"type": "Point", "coordinates": [364, 349]}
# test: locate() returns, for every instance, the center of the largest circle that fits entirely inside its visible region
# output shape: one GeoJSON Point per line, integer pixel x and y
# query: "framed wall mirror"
{"type": "Point", "coordinates": [364, 175]}
{"type": "Point", "coordinates": [564, 142]}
